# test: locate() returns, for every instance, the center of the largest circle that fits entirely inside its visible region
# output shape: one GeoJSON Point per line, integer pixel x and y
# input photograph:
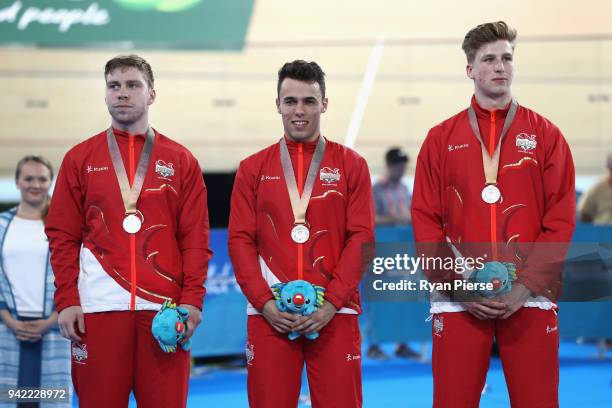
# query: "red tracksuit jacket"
{"type": "Point", "coordinates": [535, 177]}
{"type": "Point", "coordinates": [114, 270]}
{"type": "Point", "coordinates": [340, 214]}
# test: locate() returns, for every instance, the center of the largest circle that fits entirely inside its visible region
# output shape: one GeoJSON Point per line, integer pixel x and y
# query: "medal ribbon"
{"type": "Point", "coordinates": [491, 164]}
{"type": "Point", "coordinates": [130, 194]}
{"type": "Point", "coordinates": [299, 204]}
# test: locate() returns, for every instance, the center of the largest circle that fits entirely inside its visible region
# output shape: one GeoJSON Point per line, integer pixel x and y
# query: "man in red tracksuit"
{"type": "Point", "coordinates": [128, 229]}
{"type": "Point", "coordinates": [501, 175]}
{"type": "Point", "coordinates": [265, 250]}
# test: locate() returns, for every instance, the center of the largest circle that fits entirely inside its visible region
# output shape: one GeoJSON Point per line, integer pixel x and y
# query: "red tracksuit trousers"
{"type": "Point", "coordinates": [528, 344]}
{"type": "Point", "coordinates": [333, 365]}
{"type": "Point", "coordinates": [119, 355]}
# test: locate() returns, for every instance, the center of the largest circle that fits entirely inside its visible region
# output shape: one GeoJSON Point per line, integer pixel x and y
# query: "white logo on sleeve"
{"type": "Point", "coordinates": [352, 357]}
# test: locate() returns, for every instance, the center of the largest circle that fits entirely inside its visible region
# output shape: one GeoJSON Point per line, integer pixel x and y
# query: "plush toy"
{"type": "Point", "coordinates": [299, 297]}
{"type": "Point", "coordinates": [500, 274]}
{"type": "Point", "coordinates": [169, 325]}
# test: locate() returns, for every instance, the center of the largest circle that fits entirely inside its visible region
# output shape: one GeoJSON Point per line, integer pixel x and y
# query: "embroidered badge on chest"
{"type": "Point", "coordinates": [164, 170]}
{"type": "Point", "coordinates": [526, 142]}
{"type": "Point", "coordinates": [328, 175]}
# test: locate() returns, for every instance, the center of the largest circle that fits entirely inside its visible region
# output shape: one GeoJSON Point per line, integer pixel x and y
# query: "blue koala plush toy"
{"type": "Point", "coordinates": [500, 274]}
{"type": "Point", "coordinates": [299, 297]}
{"type": "Point", "coordinates": [169, 325]}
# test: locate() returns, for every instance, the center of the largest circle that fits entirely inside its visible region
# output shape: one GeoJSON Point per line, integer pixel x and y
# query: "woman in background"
{"type": "Point", "coordinates": [32, 351]}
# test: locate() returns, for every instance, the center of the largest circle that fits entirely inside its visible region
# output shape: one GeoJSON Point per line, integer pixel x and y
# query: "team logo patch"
{"type": "Point", "coordinates": [249, 352]}
{"type": "Point", "coordinates": [165, 170]}
{"type": "Point", "coordinates": [329, 175]}
{"type": "Point", "coordinates": [526, 142]}
{"type": "Point", "coordinates": [79, 353]}
{"type": "Point", "coordinates": [438, 325]}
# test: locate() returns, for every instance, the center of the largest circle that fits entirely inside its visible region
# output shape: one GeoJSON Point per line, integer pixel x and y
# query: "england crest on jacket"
{"type": "Point", "coordinates": [164, 170]}
{"type": "Point", "coordinates": [526, 142]}
{"type": "Point", "coordinates": [327, 175]}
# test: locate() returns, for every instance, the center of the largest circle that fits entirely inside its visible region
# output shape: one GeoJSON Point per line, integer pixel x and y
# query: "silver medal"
{"type": "Point", "coordinates": [490, 194]}
{"type": "Point", "coordinates": [132, 224]}
{"type": "Point", "coordinates": [300, 234]}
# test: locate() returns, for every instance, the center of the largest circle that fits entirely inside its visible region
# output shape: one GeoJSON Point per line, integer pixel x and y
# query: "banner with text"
{"type": "Point", "coordinates": [188, 24]}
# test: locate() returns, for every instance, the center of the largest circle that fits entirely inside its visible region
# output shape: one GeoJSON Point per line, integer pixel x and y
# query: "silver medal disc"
{"type": "Point", "coordinates": [132, 224]}
{"type": "Point", "coordinates": [490, 194]}
{"type": "Point", "coordinates": [300, 234]}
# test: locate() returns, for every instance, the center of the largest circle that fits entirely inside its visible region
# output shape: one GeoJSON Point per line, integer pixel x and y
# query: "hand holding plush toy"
{"type": "Point", "coordinates": [500, 274]}
{"type": "Point", "coordinates": [299, 297]}
{"type": "Point", "coordinates": [169, 325]}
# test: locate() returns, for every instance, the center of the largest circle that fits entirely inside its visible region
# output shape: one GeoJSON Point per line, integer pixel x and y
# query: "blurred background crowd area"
{"type": "Point", "coordinates": [394, 69]}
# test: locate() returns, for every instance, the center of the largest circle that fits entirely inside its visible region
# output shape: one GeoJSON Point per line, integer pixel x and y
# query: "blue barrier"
{"type": "Point", "coordinates": [223, 329]}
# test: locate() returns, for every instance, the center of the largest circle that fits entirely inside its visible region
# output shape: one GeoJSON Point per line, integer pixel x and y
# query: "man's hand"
{"type": "Point", "coordinates": [193, 321]}
{"type": "Point", "coordinates": [485, 308]}
{"type": "Point", "coordinates": [514, 300]}
{"type": "Point", "coordinates": [316, 321]}
{"type": "Point", "coordinates": [280, 321]}
{"type": "Point", "coordinates": [69, 318]}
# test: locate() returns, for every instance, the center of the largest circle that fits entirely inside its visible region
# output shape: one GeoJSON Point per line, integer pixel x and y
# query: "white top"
{"type": "Point", "coordinates": [539, 302]}
{"type": "Point", "coordinates": [99, 292]}
{"type": "Point", "coordinates": [25, 262]}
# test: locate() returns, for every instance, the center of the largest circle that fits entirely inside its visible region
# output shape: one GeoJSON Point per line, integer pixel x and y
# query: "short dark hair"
{"type": "Point", "coordinates": [484, 34]}
{"type": "Point", "coordinates": [304, 71]}
{"type": "Point", "coordinates": [396, 155]}
{"type": "Point", "coordinates": [35, 159]}
{"type": "Point", "coordinates": [131, 61]}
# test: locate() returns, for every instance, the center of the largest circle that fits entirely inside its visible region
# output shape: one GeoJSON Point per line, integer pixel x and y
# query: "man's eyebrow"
{"type": "Point", "coordinates": [306, 98]}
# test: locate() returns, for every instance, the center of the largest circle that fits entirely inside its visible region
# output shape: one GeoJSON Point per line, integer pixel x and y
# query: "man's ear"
{"type": "Point", "coordinates": [324, 103]}
{"type": "Point", "coordinates": [278, 105]}
{"type": "Point", "coordinates": [468, 71]}
{"type": "Point", "coordinates": [152, 96]}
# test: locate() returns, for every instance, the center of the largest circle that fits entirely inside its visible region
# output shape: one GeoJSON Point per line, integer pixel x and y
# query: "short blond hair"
{"type": "Point", "coordinates": [484, 34]}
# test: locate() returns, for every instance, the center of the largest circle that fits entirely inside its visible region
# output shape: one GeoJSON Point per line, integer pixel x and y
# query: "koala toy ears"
{"type": "Point", "coordinates": [277, 288]}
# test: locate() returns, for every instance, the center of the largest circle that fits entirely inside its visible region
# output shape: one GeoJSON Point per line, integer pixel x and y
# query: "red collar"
{"type": "Point", "coordinates": [486, 114]}
{"type": "Point", "coordinates": [306, 146]}
{"type": "Point", "coordinates": [123, 133]}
